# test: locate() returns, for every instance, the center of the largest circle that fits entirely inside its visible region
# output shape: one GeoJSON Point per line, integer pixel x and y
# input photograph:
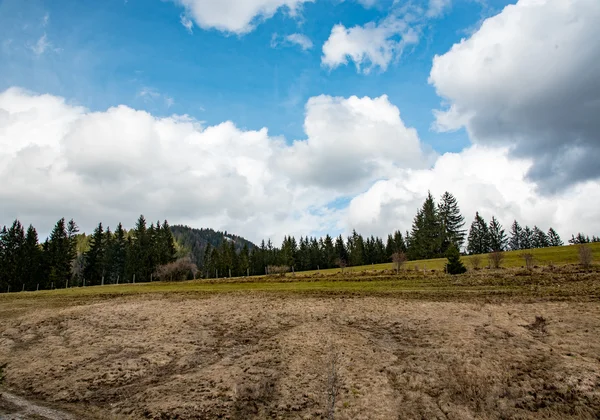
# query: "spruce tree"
{"type": "Point", "coordinates": [554, 238]}
{"type": "Point", "coordinates": [329, 252]}
{"type": "Point", "coordinates": [526, 240]}
{"type": "Point", "coordinates": [94, 258]}
{"type": "Point", "coordinates": [451, 221]}
{"type": "Point", "coordinates": [454, 264]}
{"type": "Point", "coordinates": [497, 236]}
{"type": "Point", "coordinates": [516, 232]}
{"type": "Point", "coordinates": [426, 232]}
{"type": "Point", "coordinates": [59, 255]}
{"type": "Point", "coordinates": [479, 239]}
{"type": "Point", "coordinates": [32, 254]}
{"type": "Point", "coordinates": [540, 240]}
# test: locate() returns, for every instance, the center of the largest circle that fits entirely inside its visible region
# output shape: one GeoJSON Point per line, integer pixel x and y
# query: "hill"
{"type": "Point", "coordinates": [196, 240]}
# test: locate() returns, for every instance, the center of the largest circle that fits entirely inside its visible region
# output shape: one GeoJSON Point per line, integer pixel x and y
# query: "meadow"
{"type": "Point", "coordinates": [368, 343]}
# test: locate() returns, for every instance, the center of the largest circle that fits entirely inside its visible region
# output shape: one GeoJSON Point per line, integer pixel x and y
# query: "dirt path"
{"type": "Point", "coordinates": [264, 356]}
{"type": "Point", "coordinates": [13, 407]}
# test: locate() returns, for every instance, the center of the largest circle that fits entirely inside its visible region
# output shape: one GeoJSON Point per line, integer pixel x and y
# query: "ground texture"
{"type": "Point", "coordinates": [267, 355]}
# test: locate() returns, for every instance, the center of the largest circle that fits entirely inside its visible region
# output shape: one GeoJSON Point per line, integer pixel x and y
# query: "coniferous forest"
{"type": "Point", "coordinates": [68, 258]}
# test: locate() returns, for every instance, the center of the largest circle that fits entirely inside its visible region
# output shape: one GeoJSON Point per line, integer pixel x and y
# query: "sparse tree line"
{"type": "Point", "coordinates": [67, 259]}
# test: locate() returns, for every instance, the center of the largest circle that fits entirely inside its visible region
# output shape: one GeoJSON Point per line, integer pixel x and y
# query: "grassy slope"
{"type": "Point", "coordinates": [544, 256]}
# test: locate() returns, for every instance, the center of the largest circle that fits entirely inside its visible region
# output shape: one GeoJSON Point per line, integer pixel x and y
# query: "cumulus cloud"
{"type": "Point", "coordinates": [61, 160]}
{"type": "Point", "coordinates": [529, 78]}
{"type": "Point", "coordinates": [235, 16]}
{"type": "Point", "coordinates": [483, 179]}
{"type": "Point", "coordinates": [351, 142]}
{"type": "Point", "coordinates": [369, 46]}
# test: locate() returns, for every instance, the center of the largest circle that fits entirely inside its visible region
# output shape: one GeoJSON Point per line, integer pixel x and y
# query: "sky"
{"type": "Point", "coordinates": [266, 118]}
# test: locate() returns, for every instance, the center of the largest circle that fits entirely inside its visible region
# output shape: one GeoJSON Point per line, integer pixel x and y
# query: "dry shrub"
{"type": "Point", "coordinates": [340, 262]}
{"type": "Point", "coordinates": [278, 269]}
{"type": "Point", "coordinates": [176, 271]}
{"type": "Point", "coordinates": [475, 262]}
{"type": "Point", "coordinates": [398, 259]}
{"type": "Point", "coordinates": [585, 255]}
{"type": "Point", "coordinates": [495, 259]}
{"type": "Point", "coordinates": [528, 257]}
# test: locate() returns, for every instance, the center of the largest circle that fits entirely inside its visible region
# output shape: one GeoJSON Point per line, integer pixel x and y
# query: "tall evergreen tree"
{"type": "Point", "coordinates": [426, 232]}
{"type": "Point", "coordinates": [540, 240]}
{"type": "Point", "coordinates": [497, 237]}
{"type": "Point", "coordinates": [479, 238]}
{"type": "Point", "coordinates": [329, 252]}
{"type": "Point", "coordinates": [554, 238]}
{"type": "Point", "coordinates": [341, 253]}
{"type": "Point", "coordinates": [451, 221]}
{"type": "Point", "coordinates": [516, 232]}
{"type": "Point", "coordinates": [94, 265]}
{"type": "Point", "coordinates": [526, 240]}
{"type": "Point", "coordinates": [32, 256]}
{"type": "Point", "coordinates": [59, 257]}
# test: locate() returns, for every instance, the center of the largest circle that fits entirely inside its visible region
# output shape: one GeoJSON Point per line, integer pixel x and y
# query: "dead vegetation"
{"type": "Point", "coordinates": [529, 352]}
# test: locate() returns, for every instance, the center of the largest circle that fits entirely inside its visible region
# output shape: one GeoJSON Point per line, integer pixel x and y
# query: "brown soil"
{"type": "Point", "coordinates": [243, 356]}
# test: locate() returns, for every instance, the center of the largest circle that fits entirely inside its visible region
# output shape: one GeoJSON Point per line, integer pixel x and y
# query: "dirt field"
{"type": "Point", "coordinates": [265, 355]}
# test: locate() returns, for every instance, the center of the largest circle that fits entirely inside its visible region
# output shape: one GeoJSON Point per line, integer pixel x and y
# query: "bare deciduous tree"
{"type": "Point", "coordinates": [340, 262]}
{"type": "Point", "coordinates": [528, 257]}
{"type": "Point", "coordinates": [495, 259]}
{"type": "Point", "coordinates": [585, 255]}
{"type": "Point", "coordinates": [398, 259]}
{"type": "Point", "coordinates": [475, 261]}
{"type": "Point", "coordinates": [176, 271]}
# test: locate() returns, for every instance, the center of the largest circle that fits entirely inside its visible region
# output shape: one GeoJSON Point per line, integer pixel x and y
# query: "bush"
{"type": "Point", "coordinates": [398, 259]}
{"type": "Point", "coordinates": [454, 265]}
{"type": "Point", "coordinates": [278, 269]}
{"type": "Point", "coordinates": [495, 259]}
{"type": "Point", "coordinates": [528, 257]}
{"type": "Point", "coordinates": [177, 271]}
{"type": "Point", "coordinates": [585, 255]}
{"type": "Point", "coordinates": [475, 261]}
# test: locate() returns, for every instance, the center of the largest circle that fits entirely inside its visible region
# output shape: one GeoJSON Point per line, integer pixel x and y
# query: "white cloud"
{"type": "Point", "coordinates": [483, 179]}
{"type": "Point", "coordinates": [369, 46]}
{"type": "Point", "coordinates": [235, 16]}
{"type": "Point", "coordinates": [350, 143]}
{"type": "Point", "coordinates": [529, 78]}
{"type": "Point", "coordinates": [59, 160]}
{"type": "Point", "coordinates": [302, 40]}
{"type": "Point", "coordinates": [187, 23]}
{"type": "Point", "coordinates": [150, 95]}
{"type": "Point", "coordinates": [41, 45]}
{"type": "Point", "coordinates": [437, 7]}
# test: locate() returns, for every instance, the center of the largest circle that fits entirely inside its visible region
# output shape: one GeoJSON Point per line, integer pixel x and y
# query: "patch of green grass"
{"type": "Point", "coordinates": [559, 255]}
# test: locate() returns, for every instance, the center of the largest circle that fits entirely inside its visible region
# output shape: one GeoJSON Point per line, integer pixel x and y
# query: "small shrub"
{"type": "Point", "coordinates": [528, 257]}
{"type": "Point", "coordinates": [398, 259]}
{"type": "Point", "coordinates": [278, 269]}
{"type": "Point", "coordinates": [179, 270]}
{"type": "Point", "coordinates": [340, 262]}
{"type": "Point", "coordinates": [475, 262]}
{"type": "Point", "coordinates": [454, 265]}
{"type": "Point", "coordinates": [585, 255]}
{"type": "Point", "coordinates": [495, 259]}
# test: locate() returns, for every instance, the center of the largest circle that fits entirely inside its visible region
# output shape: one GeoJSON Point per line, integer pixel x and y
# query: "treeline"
{"type": "Point", "coordinates": [109, 258]}
{"type": "Point", "coordinates": [436, 227]}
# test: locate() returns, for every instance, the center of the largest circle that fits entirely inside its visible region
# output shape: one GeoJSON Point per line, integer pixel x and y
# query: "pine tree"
{"type": "Point", "coordinates": [59, 255]}
{"type": "Point", "coordinates": [329, 252]}
{"type": "Point", "coordinates": [32, 254]}
{"type": "Point", "coordinates": [526, 239]}
{"type": "Point", "coordinates": [540, 240]}
{"type": "Point", "coordinates": [516, 232]}
{"type": "Point", "coordinates": [479, 239]}
{"type": "Point", "coordinates": [94, 265]}
{"type": "Point", "coordinates": [454, 264]}
{"type": "Point", "coordinates": [341, 253]}
{"type": "Point", "coordinates": [497, 236]}
{"type": "Point", "coordinates": [451, 221]}
{"type": "Point", "coordinates": [426, 235]}
{"type": "Point", "coordinates": [554, 238]}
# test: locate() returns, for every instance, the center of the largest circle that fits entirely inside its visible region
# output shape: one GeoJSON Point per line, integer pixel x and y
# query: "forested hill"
{"type": "Point", "coordinates": [195, 240]}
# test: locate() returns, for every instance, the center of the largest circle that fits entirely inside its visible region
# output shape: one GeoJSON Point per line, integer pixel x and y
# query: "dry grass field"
{"type": "Point", "coordinates": [493, 344]}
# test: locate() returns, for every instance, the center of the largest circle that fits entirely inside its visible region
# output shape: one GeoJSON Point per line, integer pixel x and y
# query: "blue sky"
{"type": "Point", "coordinates": [113, 108]}
{"type": "Point", "coordinates": [110, 52]}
